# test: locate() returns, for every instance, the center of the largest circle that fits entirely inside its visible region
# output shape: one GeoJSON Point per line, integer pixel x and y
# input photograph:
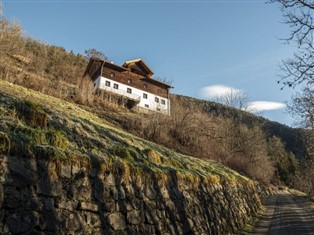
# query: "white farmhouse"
{"type": "Point", "coordinates": [132, 80]}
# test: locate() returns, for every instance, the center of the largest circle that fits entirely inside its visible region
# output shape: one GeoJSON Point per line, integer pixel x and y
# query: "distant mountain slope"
{"type": "Point", "coordinates": [292, 137]}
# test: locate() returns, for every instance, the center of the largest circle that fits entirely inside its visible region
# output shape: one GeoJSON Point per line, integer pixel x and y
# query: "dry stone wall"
{"type": "Point", "coordinates": [49, 197]}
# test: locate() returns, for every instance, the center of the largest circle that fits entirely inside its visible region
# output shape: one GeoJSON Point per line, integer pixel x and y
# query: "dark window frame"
{"type": "Point", "coordinates": [115, 86]}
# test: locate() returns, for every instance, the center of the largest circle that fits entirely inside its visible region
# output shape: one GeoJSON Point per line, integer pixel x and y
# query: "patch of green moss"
{"type": "Point", "coordinates": [152, 155]}
{"type": "Point", "coordinates": [46, 143]}
{"type": "Point", "coordinates": [57, 139]}
{"type": "Point", "coordinates": [121, 152]}
{"type": "Point", "coordinates": [48, 152]}
{"type": "Point", "coordinates": [24, 138]}
{"type": "Point", "coordinates": [33, 114]}
{"type": "Point", "coordinates": [134, 154]}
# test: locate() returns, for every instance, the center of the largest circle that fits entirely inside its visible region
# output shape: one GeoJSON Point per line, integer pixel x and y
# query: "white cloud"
{"type": "Point", "coordinates": [258, 106]}
{"type": "Point", "coordinates": [217, 90]}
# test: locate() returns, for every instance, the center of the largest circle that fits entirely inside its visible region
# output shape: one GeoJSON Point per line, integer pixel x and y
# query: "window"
{"type": "Point", "coordinates": [115, 86]}
{"type": "Point", "coordinates": [112, 75]}
{"type": "Point", "coordinates": [107, 83]}
{"type": "Point", "coordinates": [146, 106]}
{"type": "Point", "coordinates": [156, 99]}
{"type": "Point", "coordinates": [158, 109]}
{"type": "Point", "coordinates": [129, 90]}
{"type": "Point", "coordinates": [129, 80]}
{"type": "Point", "coordinates": [144, 95]}
{"type": "Point", "coordinates": [163, 101]}
{"type": "Point", "coordinates": [145, 86]}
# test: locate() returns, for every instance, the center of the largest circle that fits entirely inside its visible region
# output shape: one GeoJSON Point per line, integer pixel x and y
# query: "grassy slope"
{"type": "Point", "coordinates": [74, 134]}
{"type": "Point", "coordinates": [24, 74]}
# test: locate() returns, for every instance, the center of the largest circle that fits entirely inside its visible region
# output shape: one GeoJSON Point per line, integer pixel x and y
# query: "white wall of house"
{"type": "Point", "coordinates": [146, 100]}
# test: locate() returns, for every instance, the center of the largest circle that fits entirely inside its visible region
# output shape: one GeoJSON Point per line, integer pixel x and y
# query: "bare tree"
{"type": "Point", "coordinates": [10, 36]}
{"type": "Point", "coordinates": [236, 99]}
{"type": "Point", "coordinates": [301, 107]}
{"type": "Point", "coordinates": [299, 16]}
{"type": "Point", "coordinates": [94, 53]}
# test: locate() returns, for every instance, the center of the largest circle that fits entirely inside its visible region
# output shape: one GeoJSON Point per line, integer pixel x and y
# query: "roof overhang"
{"type": "Point", "coordinates": [140, 61]}
{"type": "Point", "coordinates": [104, 63]}
{"type": "Point", "coordinates": [90, 62]}
{"type": "Point", "coordinates": [157, 82]}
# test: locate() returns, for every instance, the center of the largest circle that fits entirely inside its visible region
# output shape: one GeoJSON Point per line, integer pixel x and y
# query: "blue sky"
{"type": "Point", "coordinates": [196, 44]}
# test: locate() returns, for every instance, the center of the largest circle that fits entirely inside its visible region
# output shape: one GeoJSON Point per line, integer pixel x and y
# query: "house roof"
{"type": "Point", "coordinates": [124, 68]}
{"type": "Point", "coordinates": [114, 66]}
{"type": "Point", "coordinates": [105, 63]}
{"type": "Point", "coordinates": [91, 60]}
{"type": "Point", "coordinates": [141, 62]}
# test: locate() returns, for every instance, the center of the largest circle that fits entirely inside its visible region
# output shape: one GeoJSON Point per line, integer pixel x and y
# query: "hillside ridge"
{"type": "Point", "coordinates": [65, 169]}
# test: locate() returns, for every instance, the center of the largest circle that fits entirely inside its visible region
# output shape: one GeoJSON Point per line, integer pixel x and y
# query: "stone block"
{"type": "Point", "coordinates": [74, 222]}
{"type": "Point", "coordinates": [120, 206]}
{"type": "Point", "coordinates": [20, 222]}
{"type": "Point", "coordinates": [49, 187]}
{"type": "Point", "coordinates": [86, 206]}
{"type": "Point", "coordinates": [137, 204]}
{"type": "Point", "coordinates": [48, 204]}
{"type": "Point", "coordinates": [114, 193]}
{"type": "Point", "coordinates": [164, 193]}
{"type": "Point", "coordinates": [150, 192]}
{"type": "Point", "coordinates": [48, 221]}
{"type": "Point", "coordinates": [135, 217]}
{"type": "Point", "coordinates": [75, 168]}
{"type": "Point", "coordinates": [121, 193]}
{"type": "Point", "coordinates": [66, 171]}
{"type": "Point", "coordinates": [149, 204]}
{"type": "Point", "coordinates": [151, 217]}
{"type": "Point", "coordinates": [110, 180]}
{"type": "Point", "coordinates": [11, 197]}
{"type": "Point", "coordinates": [109, 206]}
{"type": "Point", "coordinates": [21, 173]}
{"type": "Point", "coordinates": [92, 220]}
{"type": "Point", "coordinates": [68, 205]}
{"type": "Point", "coordinates": [117, 221]}
{"type": "Point", "coordinates": [84, 193]}
{"type": "Point", "coordinates": [93, 172]}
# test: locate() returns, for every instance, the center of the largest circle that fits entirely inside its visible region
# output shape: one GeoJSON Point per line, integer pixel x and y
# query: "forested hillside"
{"type": "Point", "coordinates": [256, 147]}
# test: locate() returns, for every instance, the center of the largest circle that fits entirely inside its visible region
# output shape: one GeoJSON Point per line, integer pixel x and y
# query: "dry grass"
{"type": "Point", "coordinates": [76, 134]}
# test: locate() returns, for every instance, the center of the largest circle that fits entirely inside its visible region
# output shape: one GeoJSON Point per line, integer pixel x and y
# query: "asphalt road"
{"type": "Point", "coordinates": [286, 214]}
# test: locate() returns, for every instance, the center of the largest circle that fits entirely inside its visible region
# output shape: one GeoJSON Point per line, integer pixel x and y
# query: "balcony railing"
{"type": "Point", "coordinates": [133, 97]}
